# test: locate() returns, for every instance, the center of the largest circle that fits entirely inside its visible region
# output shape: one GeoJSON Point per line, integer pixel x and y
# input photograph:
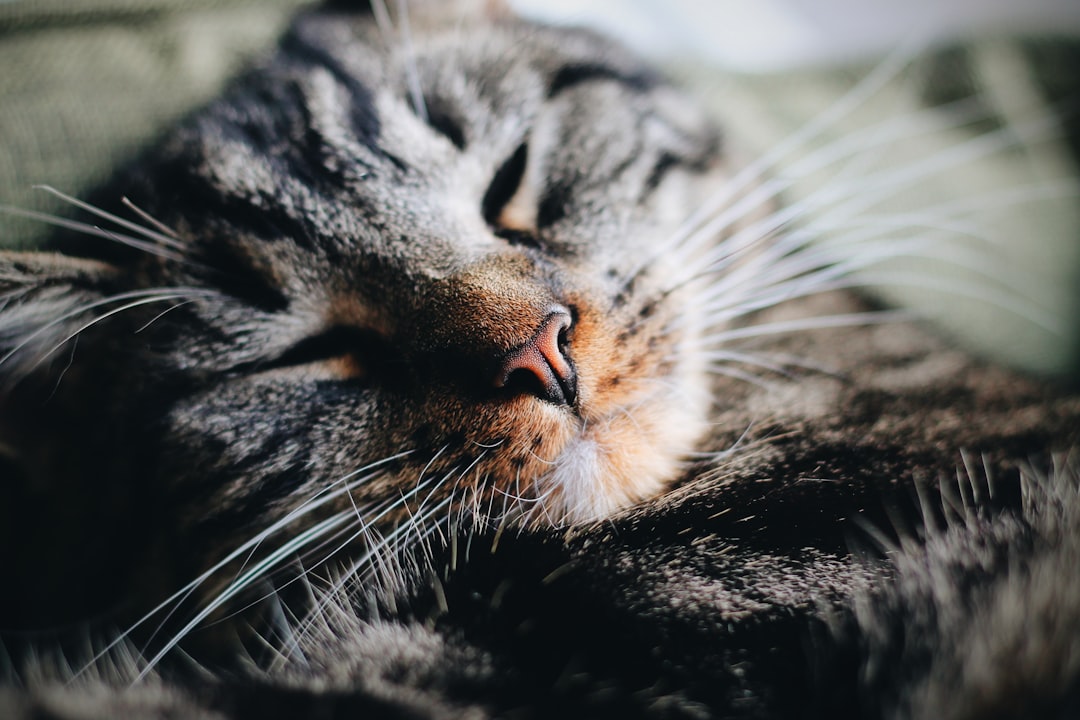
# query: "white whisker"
{"type": "Point", "coordinates": [161, 314]}
{"type": "Point", "coordinates": [866, 88]}
{"type": "Point", "coordinates": [93, 230]}
{"type": "Point", "coordinates": [412, 71]}
{"type": "Point", "coordinates": [147, 217]}
{"type": "Point", "coordinates": [382, 19]}
{"type": "Point", "coordinates": [1014, 303]}
{"type": "Point", "coordinates": [809, 323]}
{"type": "Point", "coordinates": [321, 498]}
{"type": "Point", "coordinates": [760, 361]}
{"type": "Point", "coordinates": [169, 240]}
{"type": "Point", "coordinates": [374, 550]}
{"type": "Point", "coordinates": [139, 298]}
{"type": "Point", "coordinates": [287, 550]}
{"type": "Point", "coordinates": [870, 189]}
{"type": "Point", "coordinates": [858, 143]}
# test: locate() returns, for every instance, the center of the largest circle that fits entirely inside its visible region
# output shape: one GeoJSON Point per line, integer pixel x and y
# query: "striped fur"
{"type": "Point", "coordinates": [461, 374]}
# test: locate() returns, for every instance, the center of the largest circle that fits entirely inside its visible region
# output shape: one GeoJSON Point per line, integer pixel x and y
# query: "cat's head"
{"type": "Point", "coordinates": [387, 282]}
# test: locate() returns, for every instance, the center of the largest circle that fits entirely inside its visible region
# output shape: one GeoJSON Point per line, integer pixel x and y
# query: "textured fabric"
{"type": "Point", "coordinates": [85, 84]}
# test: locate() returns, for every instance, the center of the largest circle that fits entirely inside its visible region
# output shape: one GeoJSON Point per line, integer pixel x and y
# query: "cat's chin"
{"type": "Point", "coordinates": [591, 480]}
{"type": "Point", "coordinates": [618, 460]}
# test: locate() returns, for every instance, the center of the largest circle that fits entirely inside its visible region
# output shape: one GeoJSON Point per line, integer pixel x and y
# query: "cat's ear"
{"type": "Point", "coordinates": [432, 11]}
{"type": "Point", "coordinates": [44, 299]}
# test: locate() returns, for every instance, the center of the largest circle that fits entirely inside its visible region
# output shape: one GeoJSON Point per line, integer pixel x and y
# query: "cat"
{"type": "Point", "coordinates": [420, 379]}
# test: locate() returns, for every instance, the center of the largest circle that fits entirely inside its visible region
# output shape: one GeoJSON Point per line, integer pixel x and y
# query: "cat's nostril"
{"type": "Point", "coordinates": [541, 366]}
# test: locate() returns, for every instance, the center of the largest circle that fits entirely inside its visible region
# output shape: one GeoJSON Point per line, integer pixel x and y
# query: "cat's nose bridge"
{"type": "Point", "coordinates": [496, 303]}
{"type": "Point", "coordinates": [500, 325]}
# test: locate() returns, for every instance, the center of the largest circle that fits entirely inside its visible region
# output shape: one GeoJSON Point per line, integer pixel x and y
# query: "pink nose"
{"type": "Point", "coordinates": [540, 366]}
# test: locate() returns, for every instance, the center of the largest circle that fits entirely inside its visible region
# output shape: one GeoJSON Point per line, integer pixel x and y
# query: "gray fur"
{"type": "Point", "coordinates": [282, 450]}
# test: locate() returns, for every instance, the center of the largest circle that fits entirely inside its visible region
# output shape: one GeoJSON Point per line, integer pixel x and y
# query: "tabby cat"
{"type": "Point", "coordinates": [460, 373]}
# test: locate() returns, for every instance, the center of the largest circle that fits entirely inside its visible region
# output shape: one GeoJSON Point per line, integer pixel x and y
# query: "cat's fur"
{"type": "Point", "coordinates": [417, 377]}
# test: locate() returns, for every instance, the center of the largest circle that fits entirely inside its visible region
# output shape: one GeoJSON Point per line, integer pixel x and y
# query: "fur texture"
{"type": "Point", "coordinates": [464, 376]}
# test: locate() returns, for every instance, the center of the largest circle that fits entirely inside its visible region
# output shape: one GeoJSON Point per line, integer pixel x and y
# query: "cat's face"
{"type": "Point", "coordinates": [412, 281]}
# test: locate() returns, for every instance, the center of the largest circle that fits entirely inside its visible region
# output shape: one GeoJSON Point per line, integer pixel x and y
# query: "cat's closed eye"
{"type": "Point", "coordinates": [508, 206]}
{"type": "Point", "coordinates": [348, 352]}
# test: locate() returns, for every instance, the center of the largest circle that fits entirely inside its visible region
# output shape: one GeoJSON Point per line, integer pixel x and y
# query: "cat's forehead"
{"type": "Point", "coordinates": [497, 62]}
{"type": "Point", "coordinates": [483, 92]}
{"type": "Point", "coordinates": [355, 159]}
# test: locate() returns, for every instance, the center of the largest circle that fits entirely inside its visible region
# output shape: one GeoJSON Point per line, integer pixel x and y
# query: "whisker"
{"type": "Point", "coordinates": [725, 207]}
{"type": "Point", "coordinates": [144, 296]}
{"type": "Point", "coordinates": [391, 539]}
{"type": "Point", "coordinates": [763, 361]}
{"type": "Point", "coordinates": [883, 134]}
{"type": "Point", "coordinates": [105, 316]}
{"type": "Point", "coordinates": [382, 19]}
{"type": "Point", "coordinates": [1016, 304]}
{"type": "Point", "coordinates": [866, 191]}
{"type": "Point", "coordinates": [147, 217]}
{"type": "Point", "coordinates": [411, 69]}
{"type": "Point", "coordinates": [810, 323]}
{"type": "Point", "coordinates": [868, 86]}
{"type": "Point", "coordinates": [725, 252]}
{"type": "Point", "coordinates": [331, 540]}
{"type": "Point", "coordinates": [439, 485]}
{"type": "Point", "coordinates": [827, 263]}
{"type": "Point", "coordinates": [870, 189]}
{"type": "Point", "coordinates": [959, 208]}
{"type": "Point", "coordinates": [740, 374]}
{"type": "Point", "coordinates": [162, 314]}
{"type": "Point", "coordinates": [169, 240]}
{"type": "Point", "coordinates": [540, 506]}
{"type": "Point", "coordinates": [93, 230]}
{"type": "Point", "coordinates": [321, 498]}
{"type": "Point", "coordinates": [327, 494]}
{"type": "Point", "coordinates": [374, 548]}
{"type": "Point", "coordinates": [517, 497]}
{"type": "Point", "coordinates": [253, 573]}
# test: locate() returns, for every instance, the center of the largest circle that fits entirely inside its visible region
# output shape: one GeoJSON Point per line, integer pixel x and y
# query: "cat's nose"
{"type": "Point", "coordinates": [540, 366]}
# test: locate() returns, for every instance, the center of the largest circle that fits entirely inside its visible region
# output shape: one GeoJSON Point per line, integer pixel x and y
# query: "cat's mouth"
{"type": "Point", "coordinates": [590, 414]}
{"type": "Point", "coordinates": [612, 419]}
